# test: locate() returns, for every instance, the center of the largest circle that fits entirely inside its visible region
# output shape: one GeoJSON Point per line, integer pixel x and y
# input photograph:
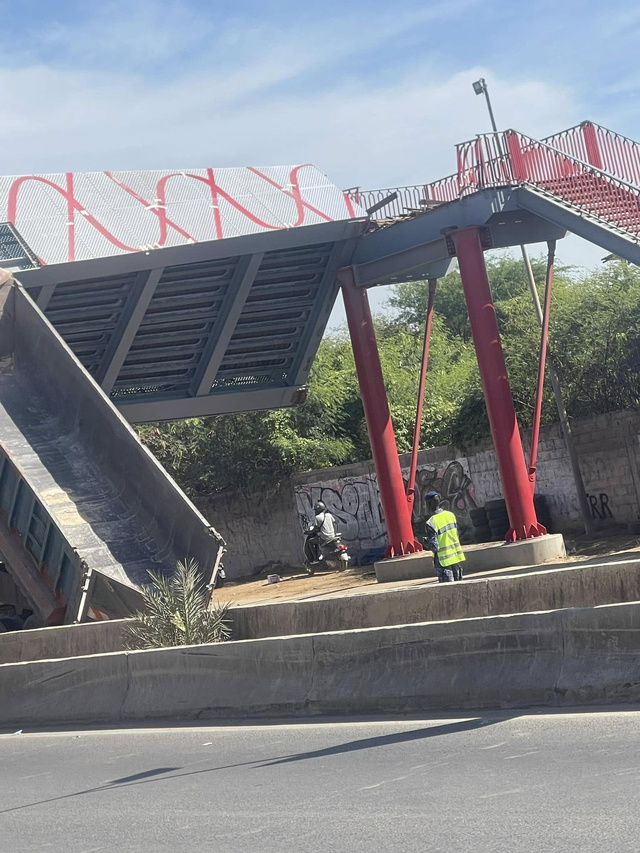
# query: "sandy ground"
{"type": "Point", "coordinates": [362, 580]}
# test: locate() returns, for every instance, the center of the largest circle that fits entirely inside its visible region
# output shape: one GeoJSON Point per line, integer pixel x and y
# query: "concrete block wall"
{"type": "Point", "coordinates": [608, 447]}
{"type": "Point", "coordinates": [261, 530]}
{"type": "Point", "coordinates": [264, 530]}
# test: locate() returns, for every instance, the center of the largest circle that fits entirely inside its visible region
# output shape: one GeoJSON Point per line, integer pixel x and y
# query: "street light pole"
{"type": "Point", "coordinates": [565, 424]}
{"type": "Point", "coordinates": [480, 88]}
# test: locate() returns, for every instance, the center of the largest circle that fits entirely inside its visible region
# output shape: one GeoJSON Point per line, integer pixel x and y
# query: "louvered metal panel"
{"type": "Point", "coordinates": [200, 329]}
{"type": "Point", "coordinates": [15, 254]}
{"type": "Point", "coordinates": [183, 314]}
{"type": "Point", "coordinates": [87, 313]}
{"type": "Point", "coordinates": [278, 309]}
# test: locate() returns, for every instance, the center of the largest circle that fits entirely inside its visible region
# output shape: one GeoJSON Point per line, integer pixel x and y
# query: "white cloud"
{"type": "Point", "coordinates": [107, 98]}
{"type": "Point", "coordinates": [359, 132]}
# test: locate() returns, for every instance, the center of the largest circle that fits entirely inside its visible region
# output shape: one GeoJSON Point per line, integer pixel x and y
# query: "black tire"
{"type": "Point", "coordinates": [541, 504]}
{"type": "Point", "coordinates": [478, 517]}
{"type": "Point", "coordinates": [497, 504]}
{"type": "Point", "coordinates": [497, 516]}
{"type": "Point", "coordinates": [499, 529]}
{"type": "Point", "coordinates": [482, 534]}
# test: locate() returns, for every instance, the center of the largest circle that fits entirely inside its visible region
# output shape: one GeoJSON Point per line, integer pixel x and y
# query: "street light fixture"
{"type": "Point", "coordinates": [480, 88]}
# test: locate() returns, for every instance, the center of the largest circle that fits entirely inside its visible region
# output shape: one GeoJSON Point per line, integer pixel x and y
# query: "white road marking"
{"type": "Point", "coordinates": [408, 723]}
{"type": "Point", "coordinates": [500, 794]}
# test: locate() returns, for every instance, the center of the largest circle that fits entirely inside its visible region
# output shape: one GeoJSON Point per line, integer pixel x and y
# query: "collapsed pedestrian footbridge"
{"type": "Point", "coordinates": [151, 296]}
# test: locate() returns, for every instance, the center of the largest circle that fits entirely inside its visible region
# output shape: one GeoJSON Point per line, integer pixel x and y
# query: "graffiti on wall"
{"type": "Point", "coordinates": [453, 483]}
{"type": "Point", "coordinates": [599, 505]}
{"type": "Point", "coordinates": [355, 502]}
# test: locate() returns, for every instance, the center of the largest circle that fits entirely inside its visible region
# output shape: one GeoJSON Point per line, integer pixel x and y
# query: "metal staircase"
{"type": "Point", "coordinates": [605, 149]}
{"type": "Point", "coordinates": [585, 179]}
{"type": "Point", "coordinates": [493, 160]}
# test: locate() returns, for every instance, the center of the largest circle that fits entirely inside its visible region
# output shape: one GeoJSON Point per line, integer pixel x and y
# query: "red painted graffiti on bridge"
{"type": "Point", "coordinates": [87, 215]}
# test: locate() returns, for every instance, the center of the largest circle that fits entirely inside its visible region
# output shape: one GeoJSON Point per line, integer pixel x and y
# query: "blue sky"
{"type": "Point", "coordinates": [374, 93]}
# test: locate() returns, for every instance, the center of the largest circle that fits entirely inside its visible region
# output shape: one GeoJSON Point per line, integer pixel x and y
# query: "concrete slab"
{"type": "Point", "coordinates": [405, 568]}
{"type": "Point", "coordinates": [479, 558]}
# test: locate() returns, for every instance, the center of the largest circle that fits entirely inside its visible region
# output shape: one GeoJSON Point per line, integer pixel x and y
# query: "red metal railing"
{"type": "Point", "coordinates": [408, 200]}
{"type": "Point", "coordinates": [511, 157]}
{"type": "Point", "coordinates": [566, 166]}
{"type": "Point", "coordinates": [603, 148]}
{"type": "Point", "coordinates": [414, 198]}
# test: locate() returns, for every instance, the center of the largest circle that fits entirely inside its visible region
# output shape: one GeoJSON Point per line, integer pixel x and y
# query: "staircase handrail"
{"type": "Point", "coordinates": [583, 164]}
{"type": "Point", "coordinates": [530, 161]}
{"type": "Point", "coordinates": [613, 152]}
{"type": "Point", "coordinates": [510, 157]}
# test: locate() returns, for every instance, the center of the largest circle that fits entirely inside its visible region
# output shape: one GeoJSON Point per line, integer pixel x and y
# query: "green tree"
{"type": "Point", "coordinates": [507, 277]}
{"type": "Point", "coordinates": [595, 337]}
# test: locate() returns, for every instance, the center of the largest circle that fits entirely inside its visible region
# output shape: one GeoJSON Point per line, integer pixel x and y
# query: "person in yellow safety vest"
{"type": "Point", "coordinates": [441, 537]}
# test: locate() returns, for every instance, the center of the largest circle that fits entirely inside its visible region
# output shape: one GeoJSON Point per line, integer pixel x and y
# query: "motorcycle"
{"type": "Point", "coordinates": [333, 555]}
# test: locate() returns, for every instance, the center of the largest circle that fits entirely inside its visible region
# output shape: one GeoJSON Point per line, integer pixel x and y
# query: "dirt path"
{"type": "Point", "coordinates": [362, 580]}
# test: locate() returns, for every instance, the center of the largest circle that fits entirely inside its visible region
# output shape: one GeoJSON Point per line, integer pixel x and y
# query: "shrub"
{"type": "Point", "coordinates": [177, 612]}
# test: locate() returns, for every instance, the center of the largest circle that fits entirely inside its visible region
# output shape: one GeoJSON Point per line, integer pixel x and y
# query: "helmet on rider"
{"type": "Point", "coordinates": [319, 507]}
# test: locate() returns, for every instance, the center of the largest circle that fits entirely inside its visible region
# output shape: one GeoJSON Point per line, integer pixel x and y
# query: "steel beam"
{"type": "Point", "coordinates": [44, 297]}
{"type": "Point", "coordinates": [474, 209]}
{"type": "Point", "coordinates": [430, 259]}
{"type": "Point", "coordinates": [415, 248]}
{"type": "Point", "coordinates": [579, 223]}
{"type": "Point", "coordinates": [147, 411]}
{"type": "Point", "coordinates": [192, 253]}
{"type": "Point", "coordinates": [339, 257]}
{"type": "Point", "coordinates": [216, 347]}
{"type": "Point", "coordinates": [125, 332]}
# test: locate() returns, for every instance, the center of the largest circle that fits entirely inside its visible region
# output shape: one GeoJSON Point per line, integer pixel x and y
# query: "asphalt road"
{"type": "Point", "coordinates": [495, 782]}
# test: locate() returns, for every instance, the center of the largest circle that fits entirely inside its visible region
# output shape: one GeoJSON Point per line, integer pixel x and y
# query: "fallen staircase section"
{"type": "Point", "coordinates": [85, 509]}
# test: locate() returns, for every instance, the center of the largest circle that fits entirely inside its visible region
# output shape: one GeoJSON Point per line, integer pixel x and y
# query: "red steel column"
{"type": "Point", "coordinates": [497, 393]}
{"type": "Point", "coordinates": [376, 411]}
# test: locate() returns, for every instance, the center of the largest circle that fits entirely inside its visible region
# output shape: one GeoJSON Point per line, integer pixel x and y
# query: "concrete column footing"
{"type": "Point", "coordinates": [479, 558]}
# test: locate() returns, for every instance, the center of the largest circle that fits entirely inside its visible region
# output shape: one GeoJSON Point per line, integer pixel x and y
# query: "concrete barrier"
{"type": "Point", "coordinates": [579, 585]}
{"type": "Point", "coordinates": [566, 657]}
{"type": "Point", "coordinates": [64, 641]}
{"type": "Point", "coordinates": [479, 558]}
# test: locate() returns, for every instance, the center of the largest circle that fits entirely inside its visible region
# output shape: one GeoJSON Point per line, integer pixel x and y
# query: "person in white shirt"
{"type": "Point", "coordinates": [324, 529]}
